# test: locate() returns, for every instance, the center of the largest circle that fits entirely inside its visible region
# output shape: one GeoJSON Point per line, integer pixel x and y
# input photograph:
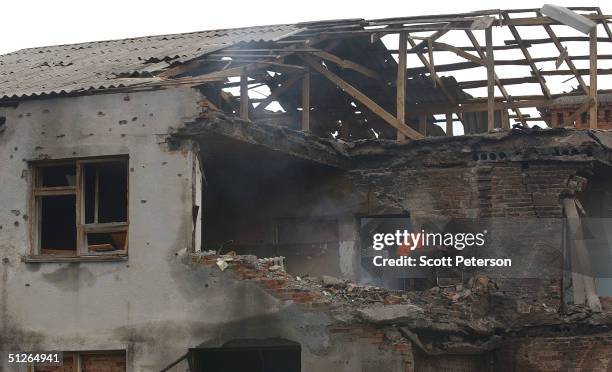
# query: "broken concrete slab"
{"type": "Point", "coordinates": [220, 127]}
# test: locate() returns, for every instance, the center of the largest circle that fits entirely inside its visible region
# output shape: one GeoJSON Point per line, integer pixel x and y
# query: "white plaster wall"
{"type": "Point", "coordinates": [155, 305]}
{"type": "Point", "coordinates": [88, 306]}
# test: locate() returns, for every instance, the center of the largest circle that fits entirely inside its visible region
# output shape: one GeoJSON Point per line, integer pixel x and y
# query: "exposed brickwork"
{"type": "Point", "coordinates": [559, 117]}
{"type": "Point", "coordinates": [577, 354]}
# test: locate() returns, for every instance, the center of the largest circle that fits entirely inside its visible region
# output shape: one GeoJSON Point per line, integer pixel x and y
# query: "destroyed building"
{"type": "Point", "coordinates": [161, 213]}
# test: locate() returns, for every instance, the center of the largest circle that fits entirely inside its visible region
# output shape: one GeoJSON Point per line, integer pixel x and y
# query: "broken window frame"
{"type": "Point", "coordinates": [78, 190]}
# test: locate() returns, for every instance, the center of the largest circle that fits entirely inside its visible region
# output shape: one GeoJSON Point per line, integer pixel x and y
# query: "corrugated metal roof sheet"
{"type": "Point", "coordinates": [98, 65]}
{"type": "Point", "coordinates": [565, 101]}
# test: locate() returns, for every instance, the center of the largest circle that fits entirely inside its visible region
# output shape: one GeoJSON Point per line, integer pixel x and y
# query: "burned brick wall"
{"type": "Point", "coordinates": [548, 354]}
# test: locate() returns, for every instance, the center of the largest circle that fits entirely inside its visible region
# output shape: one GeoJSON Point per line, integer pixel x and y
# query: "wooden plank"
{"type": "Point", "coordinates": [490, 80]}
{"type": "Point", "coordinates": [601, 71]}
{"type": "Point", "coordinates": [401, 83]}
{"type": "Point", "coordinates": [605, 25]}
{"type": "Point", "coordinates": [434, 76]}
{"type": "Point", "coordinates": [529, 42]}
{"type": "Point", "coordinates": [244, 96]}
{"type": "Point", "coordinates": [343, 63]}
{"type": "Point", "coordinates": [527, 55]}
{"type": "Point", "coordinates": [423, 124]}
{"type": "Point", "coordinates": [470, 84]}
{"type": "Point", "coordinates": [365, 100]}
{"type": "Point", "coordinates": [460, 53]}
{"type": "Point", "coordinates": [436, 35]}
{"type": "Point", "coordinates": [449, 124]}
{"type": "Point", "coordinates": [275, 94]}
{"type": "Point", "coordinates": [539, 21]}
{"type": "Point", "coordinates": [567, 59]}
{"type": "Point", "coordinates": [593, 78]}
{"type": "Point", "coordinates": [306, 102]}
{"type": "Point", "coordinates": [498, 62]}
{"type": "Point", "coordinates": [432, 64]}
{"type": "Point", "coordinates": [475, 107]}
{"type": "Point", "coordinates": [505, 122]}
{"type": "Point", "coordinates": [501, 87]}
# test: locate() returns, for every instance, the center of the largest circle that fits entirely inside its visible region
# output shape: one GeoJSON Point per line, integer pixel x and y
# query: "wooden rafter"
{"type": "Point", "coordinates": [500, 62]}
{"type": "Point", "coordinates": [449, 124]}
{"type": "Point", "coordinates": [244, 96]}
{"type": "Point", "coordinates": [539, 21]}
{"type": "Point", "coordinates": [435, 36]}
{"type": "Point", "coordinates": [460, 53]}
{"type": "Point", "coordinates": [434, 76]}
{"type": "Point", "coordinates": [401, 83]}
{"type": "Point", "coordinates": [346, 64]}
{"type": "Point", "coordinates": [527, 55]}
{"type": "Point", "coordinates": [501, 87]}
{"type": "Point", "coordinates": [490, 80]}
{"type": "Point", "coordinates": [476, 107]}
{"type": "Point", "coordinates": [361, 97]}
{"type": "Point", "coordinates": [306, 102]}
{"type": "Point", "coordinates": [567, 59]}
{"type": "Point", "coordinates": [276, 93]}
{"type": "Point", "coordinates": [593, 78]}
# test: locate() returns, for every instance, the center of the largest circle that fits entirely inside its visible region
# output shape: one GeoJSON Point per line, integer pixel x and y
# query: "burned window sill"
{"type": "Point", "coordinates": [100, 258]}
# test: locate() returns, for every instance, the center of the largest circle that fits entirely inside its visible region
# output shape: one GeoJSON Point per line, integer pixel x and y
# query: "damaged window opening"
{"type": "Point", "coordinates": [80, 208]}
{"type": "Point", "coordinates": [560, 118]}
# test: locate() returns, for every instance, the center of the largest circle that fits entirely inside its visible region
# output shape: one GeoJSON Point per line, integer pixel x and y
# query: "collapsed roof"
{"type": "Point", "coordinates": [382, 95]}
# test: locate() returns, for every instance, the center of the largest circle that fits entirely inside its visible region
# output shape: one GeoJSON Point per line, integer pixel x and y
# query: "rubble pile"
{"type": "Point", "coordinates": [461, 319]}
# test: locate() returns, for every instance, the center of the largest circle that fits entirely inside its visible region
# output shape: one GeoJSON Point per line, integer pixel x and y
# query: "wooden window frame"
{"type": "Point", "coordinates": [82, 252]}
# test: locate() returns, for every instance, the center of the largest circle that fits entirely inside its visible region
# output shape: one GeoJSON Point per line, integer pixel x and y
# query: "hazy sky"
{"type": "Point", "coordinates": [28, 23]}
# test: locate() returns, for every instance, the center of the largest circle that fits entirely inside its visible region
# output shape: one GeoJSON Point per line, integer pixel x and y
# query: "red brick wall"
{"type": "Point", "coordinates": [552, 354]}
{"type": "Point", "coordinates": [602, 123]}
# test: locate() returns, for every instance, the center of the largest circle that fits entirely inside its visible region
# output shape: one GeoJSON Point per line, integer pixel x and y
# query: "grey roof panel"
{"type": "Point", "coordinates": [100, 65]}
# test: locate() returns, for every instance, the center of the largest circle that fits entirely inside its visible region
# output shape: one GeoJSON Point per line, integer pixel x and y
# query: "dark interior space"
{"type": "Point", "coordinates": [248, 356]}
{"type": "Point", "coordinates": [58, 224]}
{"type": "Point", "coordinates": [107, 242]}
{"type": "Point", "coordinates": [57, 176]}
{"type": "Point", "coordinates": [106, 192]}
{"type": "Point", "coordinates": [268, 204]}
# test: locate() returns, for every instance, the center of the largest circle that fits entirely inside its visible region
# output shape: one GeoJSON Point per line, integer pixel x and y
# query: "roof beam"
{"type": "Point", "coordinates": [361, 97]}
{"type": "Point", "coordinates": [527, 55]}
{"type": "Point", "coordinates": [276, 93]}
{"type": "Point", "coordinates": [567, 59]}
{"type": "Point", "coordinates": [346, 64]}
{"type": "Point", "coordinates": [501, 87]}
